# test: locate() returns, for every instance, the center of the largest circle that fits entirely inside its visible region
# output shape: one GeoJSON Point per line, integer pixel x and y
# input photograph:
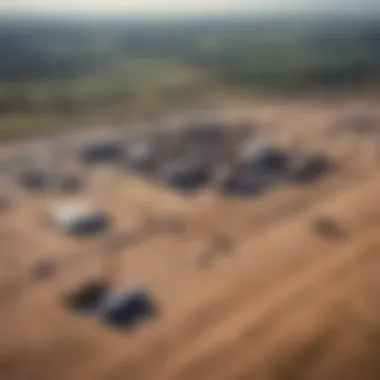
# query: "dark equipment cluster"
{"type": "Point", "coordinates": [190, 158]}
{"type": "Point", "coordinates": [102, 151]}
{"type": "Point", "coordinates": [37, 180]}
{"type": "Point", "coordinates": [120, 309]}
{"type": "Point", "coordinates": [233, 160]}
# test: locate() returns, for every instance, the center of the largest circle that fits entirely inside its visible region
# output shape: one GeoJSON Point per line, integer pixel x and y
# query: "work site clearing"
{"type": "Point", "coordinates": [280, 284]}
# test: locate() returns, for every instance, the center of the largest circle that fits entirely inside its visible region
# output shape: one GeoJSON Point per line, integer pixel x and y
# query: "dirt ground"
{"type": "Point", "coordinates": [284, 303]}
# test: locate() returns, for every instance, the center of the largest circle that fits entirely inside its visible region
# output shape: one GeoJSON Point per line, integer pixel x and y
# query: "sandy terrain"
{"type": "Point", "coordinates": [285, 303]}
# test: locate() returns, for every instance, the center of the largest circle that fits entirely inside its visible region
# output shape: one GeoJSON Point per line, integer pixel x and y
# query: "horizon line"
{"type": "Point", "coordinates": [187, 13]}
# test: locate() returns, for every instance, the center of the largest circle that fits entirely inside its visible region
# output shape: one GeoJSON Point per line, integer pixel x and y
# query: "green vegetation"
{"type": "Point", "coordinates": [55, 73]}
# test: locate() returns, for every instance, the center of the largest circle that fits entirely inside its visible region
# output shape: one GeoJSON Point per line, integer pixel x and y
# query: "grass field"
{"type": "Point", "coordinates": [59, 74]}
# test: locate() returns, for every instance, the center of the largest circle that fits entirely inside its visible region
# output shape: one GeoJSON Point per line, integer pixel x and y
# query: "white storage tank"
{"type": "Point", "coordinates": [79, 219]}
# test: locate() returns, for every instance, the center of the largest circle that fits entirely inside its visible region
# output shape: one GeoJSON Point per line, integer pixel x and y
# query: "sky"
{"type": "Point", "coordinates": [186, 6]}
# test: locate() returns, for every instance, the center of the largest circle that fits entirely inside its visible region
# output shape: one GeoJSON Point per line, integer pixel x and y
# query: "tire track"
{"type": "Point", "coordinates": [253, 321]}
